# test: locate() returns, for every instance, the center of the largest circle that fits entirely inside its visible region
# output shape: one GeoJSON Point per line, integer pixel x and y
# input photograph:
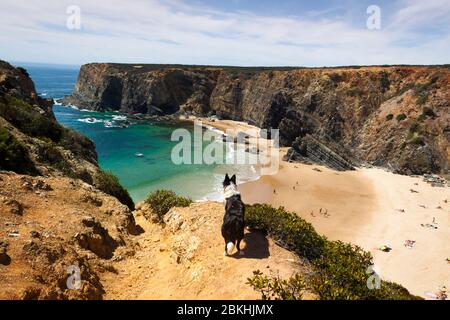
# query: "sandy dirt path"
{"type": "Point", "coordinates": [185, 260]}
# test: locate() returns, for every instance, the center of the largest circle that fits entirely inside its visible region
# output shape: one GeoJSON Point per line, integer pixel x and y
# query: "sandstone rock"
{"type": "Point", "coordinates": [15, 206]}
{"type": "Point", "coordinates": [4, 258]}
{"type": "Point", "coordinates": [35, 234]}
{"type": "Point", "coordinates": [41, 185]}
{"type": "Point", "coordinates": [92, 199]}
{"type": "Point", "coordinates": [97, 239]}
{"type": "Point", "coordinates": [310, 150]}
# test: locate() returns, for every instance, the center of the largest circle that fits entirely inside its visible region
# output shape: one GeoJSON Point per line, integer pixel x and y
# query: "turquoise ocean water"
{"type": "Point", "coordinates": [138, 153]}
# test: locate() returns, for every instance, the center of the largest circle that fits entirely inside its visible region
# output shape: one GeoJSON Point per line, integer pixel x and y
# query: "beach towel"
{"type": "Point", "coordinates": [409, 244]}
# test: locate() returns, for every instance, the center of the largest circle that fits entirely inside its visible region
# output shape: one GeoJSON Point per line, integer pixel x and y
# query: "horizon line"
{"type": "Point", "coordinates": [15, 62]}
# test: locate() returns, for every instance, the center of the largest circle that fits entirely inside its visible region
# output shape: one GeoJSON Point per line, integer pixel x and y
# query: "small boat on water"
{"type": "Point", "coordinates": [109, 124]}
{"type": "Point", "coordinates": [139, 155]}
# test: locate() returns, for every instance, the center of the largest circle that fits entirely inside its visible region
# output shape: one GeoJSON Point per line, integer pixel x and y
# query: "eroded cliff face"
{"type": "Point", "coordinates": [55, 225]}
{"type": "Point", "coordinates": [397, 117]}
{"type": "Point", "coordinates": [31, 140]}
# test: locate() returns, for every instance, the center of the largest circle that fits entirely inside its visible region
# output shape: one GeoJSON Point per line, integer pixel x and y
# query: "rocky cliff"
{"type": "Point", "coordinates": [395, 116]}
{"type": "Point", "coordinates": [58, 220]}
{"type": "Point", "coordinates": [32, 142]}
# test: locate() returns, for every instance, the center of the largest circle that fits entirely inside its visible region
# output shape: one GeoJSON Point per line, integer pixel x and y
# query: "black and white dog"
{"type": "Point", "coordinates": [233, 221]}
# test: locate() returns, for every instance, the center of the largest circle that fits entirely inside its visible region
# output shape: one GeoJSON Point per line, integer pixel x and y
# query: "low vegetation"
{"type": "Point", "coordinates": [423, 88]}
{"type": "Point", "coordinates": [401, 117]}
{"type": "Point", "coordinates": [355, 92]}
{"type": "Point", "coordinates": [161, 201]}
{"type": "Point", "coordinates": [341, 271]}
{"type": "Point", "coordinates": [428, 112]}
{"type": "Point", "coordinates": [275, 288]}
{"type": "Point", "coordinates": [14, 155]}
{"type": "Point", "coordinates": [109, 184]}
{"type": "Point", "coordinates": [80, 145]}
{"type": "Point", "coordinates": [421, 100]}
{"type": "Point", "coordinates": [384, 81]}
{"type": "Point", "coordinates": [286, 229]}
{"type": "Point", "coordinates": [416, 133]}
{"type": "Point", "coordinates": [28, 120]}
{"type": "Point", "coordinates": [23, 71]}
{"type": "Point", "coordinates": [420, 90]}
{"type": "Point", "coordinates": [389, 117]}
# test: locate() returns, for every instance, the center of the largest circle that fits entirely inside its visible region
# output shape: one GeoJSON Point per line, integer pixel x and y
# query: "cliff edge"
{"type": "Point", "coordinates": [395, 116]}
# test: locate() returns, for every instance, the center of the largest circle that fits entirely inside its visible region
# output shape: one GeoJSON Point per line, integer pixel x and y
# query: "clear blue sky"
{"type": "Point", "coordinates": [226, 32]}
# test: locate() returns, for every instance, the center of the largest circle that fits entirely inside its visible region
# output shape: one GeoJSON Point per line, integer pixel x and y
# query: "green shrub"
{"type": "Point", "coordinates": [109, 184]}
{"type": "Point", "coordinates": [355, 92]}
{"type": "Point", "coordinates": [405, 88]}
{"type": "Point", "coordinates": [417, 140]}
{"type": "Point", "coordinates": [286, 228]}
{"type": "Point", "coordinates": [415, 134]}
{"type": "Point", "coordinates": [428, 112]}
{"type": "Point", "coordinates": [14, 155]}
{"type": "Point", "coordinates": [277, 289]}
{"type": "Point", "coordinates": [422, 88]}
{"type": "Point", "coordinates": [341, 272]}
{"type": "Point", "coordinates": [421, 117]}
{"type": "Point", "coordinates": [389, 117]}
{"type": "Point", "coordinates": [23, 71]}
{"type": "Point", "coordinates": [49, 153]}
{"type": "Point", "coordinates": [161, 201]}
{"type": "Point", "coordinates": [416, 127]}
{"type": "Point", "coordinates": [384, 81]}
{"type": "Point", "coordinates": [422, 99]}
{"type": "Point", "coordinates": [80, 145]}
{"type": "Point", "coordinates": [340, 269]}
{"type": "Point", "coordinates": [401, 117]}
{"type": "Point", "coordinates": [25, 118]}
{"type": "Point", "coordinates": [336, 77]}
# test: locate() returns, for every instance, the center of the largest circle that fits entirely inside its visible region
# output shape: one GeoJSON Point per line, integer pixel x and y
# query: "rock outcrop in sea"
{"type": "Point", "coordinates": [396, 117]}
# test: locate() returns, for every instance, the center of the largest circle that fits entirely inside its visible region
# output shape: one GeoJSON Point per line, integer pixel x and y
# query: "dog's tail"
{"type": "Point", "coordinates": [230, 246]}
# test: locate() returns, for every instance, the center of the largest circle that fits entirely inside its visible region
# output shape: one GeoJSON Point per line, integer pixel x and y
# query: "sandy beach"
{"type": "Point", "coordinates": [366, 207]}
{"type": "Point", "coordinates": [370, 208]}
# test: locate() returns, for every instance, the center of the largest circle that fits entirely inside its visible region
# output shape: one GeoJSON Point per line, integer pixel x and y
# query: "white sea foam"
{"type": "Point", "coordinates": [119, 118]}
{"type": "Point", "coordinates": [90, 120]}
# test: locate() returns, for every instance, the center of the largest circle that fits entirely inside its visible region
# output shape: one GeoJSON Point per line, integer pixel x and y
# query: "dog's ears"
{"type": "Point", "coordinates": [227, 180]}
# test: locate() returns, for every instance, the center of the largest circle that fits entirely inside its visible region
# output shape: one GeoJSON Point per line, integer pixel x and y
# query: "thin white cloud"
{"type": "Point", "coordinates": [171, 31]}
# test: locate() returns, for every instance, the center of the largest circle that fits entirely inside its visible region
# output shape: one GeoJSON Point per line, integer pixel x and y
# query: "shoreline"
{"type": "Point", "coordinates": [369, 207]}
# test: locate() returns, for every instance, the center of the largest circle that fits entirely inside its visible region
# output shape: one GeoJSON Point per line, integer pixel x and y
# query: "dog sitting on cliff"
{"type": "Point", "coordinates": [233, 221]}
